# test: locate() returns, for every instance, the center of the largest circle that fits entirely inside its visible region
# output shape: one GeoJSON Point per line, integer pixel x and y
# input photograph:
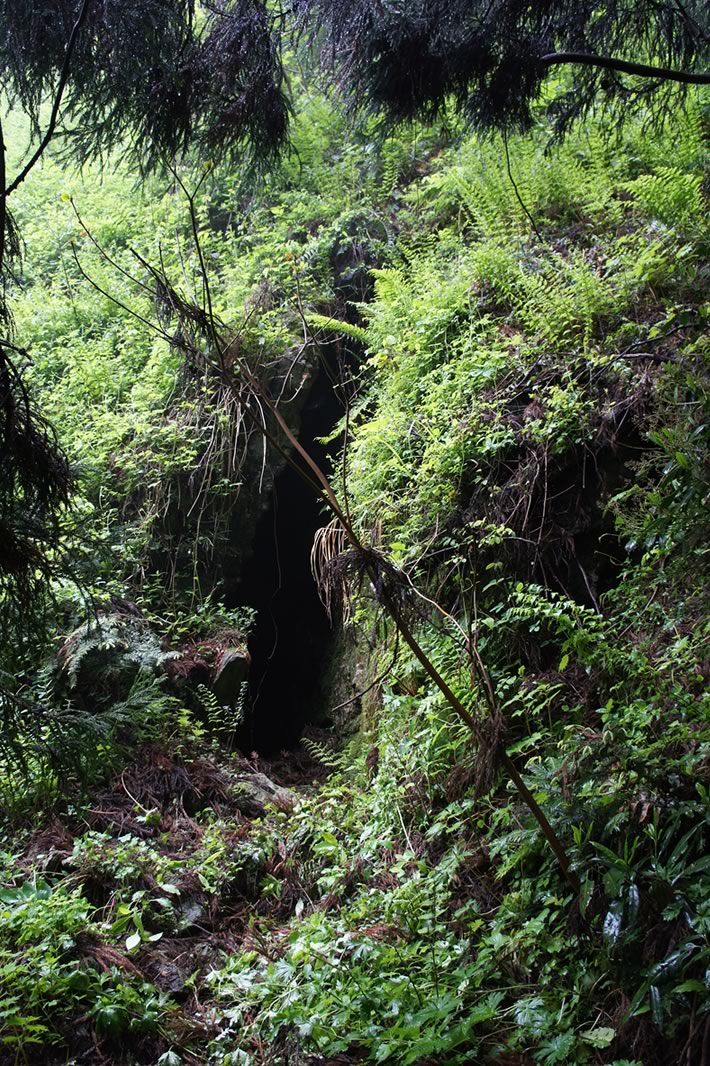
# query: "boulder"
{"type": "Point", "coordinates": [229, 674]}
{"type": "Point", "coordinates": [252, 793]}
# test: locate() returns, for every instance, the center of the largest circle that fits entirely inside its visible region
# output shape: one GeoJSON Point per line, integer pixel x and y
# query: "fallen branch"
{"type": "Point", "coordinates": [231, 368]}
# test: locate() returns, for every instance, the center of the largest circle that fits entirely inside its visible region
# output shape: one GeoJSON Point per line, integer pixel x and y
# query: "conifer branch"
{"type": "Point", "coordinates": [54, 116]}
{"type": "Point", "coordinates": [623, 66]}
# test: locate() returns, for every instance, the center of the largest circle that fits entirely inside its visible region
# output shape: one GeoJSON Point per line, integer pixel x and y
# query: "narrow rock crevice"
{"type": "Point", "coordinates": [292, 638]}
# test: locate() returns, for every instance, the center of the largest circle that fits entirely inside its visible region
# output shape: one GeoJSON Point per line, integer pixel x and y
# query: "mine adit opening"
{"type": "Point", "coordinates": [292, 640]}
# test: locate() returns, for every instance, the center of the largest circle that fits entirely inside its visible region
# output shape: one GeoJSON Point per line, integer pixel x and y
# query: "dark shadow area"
{"type": "Point", "coordinates": [292, 638]}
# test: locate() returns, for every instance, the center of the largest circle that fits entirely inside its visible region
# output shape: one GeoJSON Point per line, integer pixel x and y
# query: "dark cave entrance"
{"type": "Point", "coordinates": [292, 640]}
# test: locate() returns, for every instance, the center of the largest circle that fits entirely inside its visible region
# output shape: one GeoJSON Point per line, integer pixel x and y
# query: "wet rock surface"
{"type": "Point", "coordinates": [231, 670]}
{"type": "Point", "coordinates": [251, 793]}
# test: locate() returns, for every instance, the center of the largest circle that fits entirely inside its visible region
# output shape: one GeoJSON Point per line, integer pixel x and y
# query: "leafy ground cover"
{"type": "Point", "coordinates": [529, 446]}
{"type": "Point", "coordinates": [114, 910]}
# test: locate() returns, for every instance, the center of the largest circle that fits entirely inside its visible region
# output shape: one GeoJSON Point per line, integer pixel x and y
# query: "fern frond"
{"type": "Point", "coordinates": [130, 638]}
{"type": "Point", "coordinates": [336, 325]}
{"type": "Point", "coordinates": [44, 744]}
{"type": "Point", "coordinates": [332, 760]}
{"type": "Point", "coordinates": [223, 717]}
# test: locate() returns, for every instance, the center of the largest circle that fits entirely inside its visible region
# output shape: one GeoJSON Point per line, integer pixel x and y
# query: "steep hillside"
{"type": "Point", "coordinates": [518, 339]}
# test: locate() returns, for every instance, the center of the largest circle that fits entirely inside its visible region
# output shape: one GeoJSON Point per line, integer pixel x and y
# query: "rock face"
{"type": "Point", "coordinates": [219, 662]}
{"type": "Point", "coordinates": [252, 792]}
{"type": "Point", "coordinates": [230, 671]}
{"type": "Point", "coordinates": [292, 375]}
{"type": "Point", "coordinates": [100, 661]}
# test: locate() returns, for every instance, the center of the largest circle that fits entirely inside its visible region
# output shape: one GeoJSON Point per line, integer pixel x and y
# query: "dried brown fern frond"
{"type": "Point", "coordinates": [328, 545]}
{"type": "Point", "coordinates": [490, 735]}
{"type": "Point", "coordinates": [340, 568]}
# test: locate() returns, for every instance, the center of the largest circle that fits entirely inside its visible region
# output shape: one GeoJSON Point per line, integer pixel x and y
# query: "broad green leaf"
{"type": "Point", "coordinates": [600, 1037]}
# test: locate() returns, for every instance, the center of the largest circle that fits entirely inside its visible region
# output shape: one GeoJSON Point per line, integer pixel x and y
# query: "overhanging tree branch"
{"type": "Point", "coordinates": [54, 116]}
{"type": "Point", "coordinates": [623, 66]}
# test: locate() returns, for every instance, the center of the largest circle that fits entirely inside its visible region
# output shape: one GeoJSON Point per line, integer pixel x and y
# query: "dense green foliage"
{"type": "Point", "coordinates": [155, 79]}
{"type": "Point", "coordinates": [529, 443]}
{"type": "Point", "coordinates": [134, 418]}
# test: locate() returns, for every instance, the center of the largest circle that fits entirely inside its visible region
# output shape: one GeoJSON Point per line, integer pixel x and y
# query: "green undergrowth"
{"type": "Point", "coordinates": [91, 919]}
{"type": "Point", "coordinates": [532, 449]}
{"type": "Point", "coordinates": [151, 437]}
{"type": "Point", "coordinates": [528, 445]}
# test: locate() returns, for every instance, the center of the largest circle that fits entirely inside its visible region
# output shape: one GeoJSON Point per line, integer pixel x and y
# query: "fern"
{"type": "Point", "coordinates": [391, 163]}
{"type": "Point", "coordinates": [444, 649]}
{"type": "Point", "coordinates": [415, 246]}
{"type": "Point", "coordinates": [388, 283]}
{"type": "Point", "coordinates": [223, 718]}
{"type": "Point", "coordinates": [563, 299]}
{"type": "Point", "coordinates": [129, 637]}
{"type": "Point", "coordinates": [43, 743]}
{"type": "Point", "coordinates": [335, 325]}
{"type": "Point", "coordinates": [671, 196]}
{"type": "Point", "coordinates": [333, 760]}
